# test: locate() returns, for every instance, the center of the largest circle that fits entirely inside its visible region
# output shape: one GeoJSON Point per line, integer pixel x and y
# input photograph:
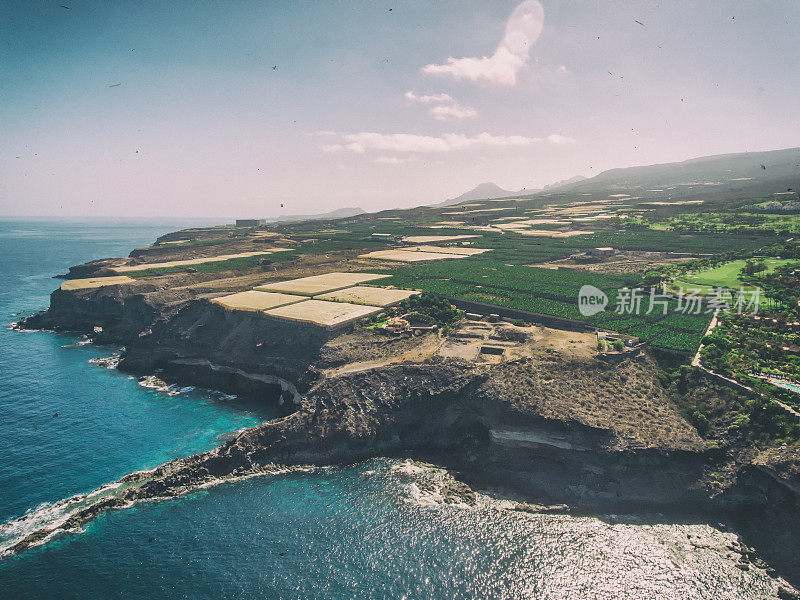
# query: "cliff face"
{"type": "Point", "coordinates": [598, 437]}
{"type": "Point", "coordinates": [123, 311]}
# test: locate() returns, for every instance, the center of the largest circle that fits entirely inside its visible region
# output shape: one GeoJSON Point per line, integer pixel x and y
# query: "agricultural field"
{"type": "Point", "coordinates": [319, 284]}
{"type": "Point", "coordinates": [193, 262]}
{"type": "Point", "coordinates": [243, 263]}
{"type": "Point", "coordinates": [369, 296]}
{"type": "Point", "coordinates": [410, 256]}
{"type": "Point", "coordinates": [323, 313]}
{"type": "Point", "coordinates": [493, 281]}
{"type": "Point", "coordinates": [95, 282]}
{"type": "Point", "coordinates": [503, 269]}
{"type": "Point", "coordinates": [255, 301]}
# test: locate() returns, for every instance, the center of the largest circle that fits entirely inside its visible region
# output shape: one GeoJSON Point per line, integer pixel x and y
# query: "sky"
{"type": "Point", "coordinates": [255, 109]}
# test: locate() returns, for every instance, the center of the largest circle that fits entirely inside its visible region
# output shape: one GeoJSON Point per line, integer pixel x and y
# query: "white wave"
{"type": "Point", "coordinates": [109, 362]}
{"type": "Point", "coordinates": [48, 516]}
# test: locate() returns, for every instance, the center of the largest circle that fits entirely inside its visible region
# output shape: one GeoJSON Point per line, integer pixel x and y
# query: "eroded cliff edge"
{"type": "Point", "coordinates": [551, 423]}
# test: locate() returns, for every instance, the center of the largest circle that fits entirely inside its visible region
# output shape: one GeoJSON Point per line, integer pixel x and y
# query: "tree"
{"type": "Point", "coordinates": [753, 266]}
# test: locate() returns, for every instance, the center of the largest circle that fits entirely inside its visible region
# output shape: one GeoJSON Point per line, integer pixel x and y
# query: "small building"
{"type": "Point", "coordinates": [250, 222]}
{"type": "Point", "coordinates": [397, 325]}
{"type": "Point", "coordinates": [601, 252]}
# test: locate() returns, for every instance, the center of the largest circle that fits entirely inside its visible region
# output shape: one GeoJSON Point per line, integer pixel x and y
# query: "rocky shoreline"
{"type": "Point", "coordinates": [493, 426]}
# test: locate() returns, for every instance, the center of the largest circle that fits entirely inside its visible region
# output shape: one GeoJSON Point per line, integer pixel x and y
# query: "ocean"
{"type": "Point", "coordinates": [68, 426]}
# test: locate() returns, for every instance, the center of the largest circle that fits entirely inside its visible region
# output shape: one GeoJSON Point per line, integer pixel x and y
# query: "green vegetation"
{"type": "Point", "coordinates": [421, 310]}
{"type": "Point", "coordinates": [724, 414]}
{"type": "Point", "coordinates": [743, 345]}
{"type": "Point", "coordinates": [730, 221]}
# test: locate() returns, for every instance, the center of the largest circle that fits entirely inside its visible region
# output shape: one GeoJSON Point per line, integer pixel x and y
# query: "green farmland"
{"type": "Point", "coordinates": [553, 292]}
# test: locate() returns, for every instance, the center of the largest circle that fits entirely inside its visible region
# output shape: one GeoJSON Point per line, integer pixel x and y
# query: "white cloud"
{"type": "Point", "coordinates": [522, 29]}
{"type": "Point", "coordinates": [559, 139]}
{"type": "Point", "coordinates": [452, 111]}
{"type": "Point", "coordinates": [427, 99]}
{"type": "Point", "coordinates": [356, 147]}
{"type": "Point", "coordinates": [393, 160]}
{"type": "Point", "coordinates": [413, 143]}
{"type": "Point", "coordinates": [446, 107]}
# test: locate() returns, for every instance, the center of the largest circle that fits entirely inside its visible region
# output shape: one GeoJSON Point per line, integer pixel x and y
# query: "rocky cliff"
{"type": "Point", "coordinates": [596, 436]}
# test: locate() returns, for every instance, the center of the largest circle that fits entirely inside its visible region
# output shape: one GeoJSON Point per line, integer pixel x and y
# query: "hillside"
{"type": "Point", "coordinates": [748, 169]}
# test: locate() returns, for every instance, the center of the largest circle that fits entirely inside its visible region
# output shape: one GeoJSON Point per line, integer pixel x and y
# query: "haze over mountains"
{"type": "Point", "coordinates": [339, 213]}
{"type": "Point", "coordinates": [490, 191]}
{"type": "Point", "coordinates": [742, 169]}
{"type": "Point", "coordinates": [773, 168]}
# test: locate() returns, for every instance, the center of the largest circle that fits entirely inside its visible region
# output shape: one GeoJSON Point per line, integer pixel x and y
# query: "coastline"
{"type": "Point", "coordinates": [449, 413]}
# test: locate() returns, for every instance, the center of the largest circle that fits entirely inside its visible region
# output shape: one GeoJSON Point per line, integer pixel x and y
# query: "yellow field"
{"type": "Point", "coordinates": [525, 222]}
{"type": "Point", "coordinates": [319, 284]}
{"type": "Point", "coordinates": [193, 261]}
{"type": "Point", "coordinates": [325, 314]}
{"type": "Point", "coordinates": [552, 234]}
{"type": "Point", "coordinates": [95, 282]}
{"type": "Point", "coordinates": [427, 239]}
{"type": "Point", "coordinates": [461, 250]}
{"type": "Point", "coordinates": [370, 296]}
{"type": "Point", "coordinates": [256, 301]}
{"type": "Point", "coordinates": [408, 255]}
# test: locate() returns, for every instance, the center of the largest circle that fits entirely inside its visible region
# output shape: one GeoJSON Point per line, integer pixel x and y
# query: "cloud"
{"type": "Point", "coordinates": [427, 99]}
{"type": "Point", "coordinates": [522, 29]}
{"type": "Point", "coordinates": [393, 160]}
{"type": "Point", "coordinates": [413, 143]}
{"type": "Point", "coordinates": [559, 139]}
{"type": "Point", "coordinates": [447, 106]}
{"type": "Point", "coordinates": [453, 111]}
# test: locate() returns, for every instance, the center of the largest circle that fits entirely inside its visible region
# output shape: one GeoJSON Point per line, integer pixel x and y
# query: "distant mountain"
{"type": "Point", "coordinates": [564, 182]}
{"type": "Point", "coordinates": [490, 191]}
{"type": "Point", "coordinates": [484, 191]}
{"type": "Point", "coordinates": [339, 213]}
{"type": "Point", "coordinates": [744, 170]}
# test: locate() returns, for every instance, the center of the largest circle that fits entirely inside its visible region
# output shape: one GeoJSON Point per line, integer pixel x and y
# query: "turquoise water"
{"type": "Point", "coordinates": [356, 532]}
{"type": "Point", "coordinates": [106, 424]}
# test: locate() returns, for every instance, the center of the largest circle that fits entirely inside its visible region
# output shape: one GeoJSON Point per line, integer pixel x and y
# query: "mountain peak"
{"type": "Point", "coordinates": [483, 191]}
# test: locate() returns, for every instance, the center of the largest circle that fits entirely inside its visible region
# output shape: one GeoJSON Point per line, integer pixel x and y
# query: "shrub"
{"type": "Point", "coordinates": [700, 422]}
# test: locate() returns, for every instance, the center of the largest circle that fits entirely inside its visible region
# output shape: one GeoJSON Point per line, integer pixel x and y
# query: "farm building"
{"type": "Point", "coordinates": [601, 252]}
